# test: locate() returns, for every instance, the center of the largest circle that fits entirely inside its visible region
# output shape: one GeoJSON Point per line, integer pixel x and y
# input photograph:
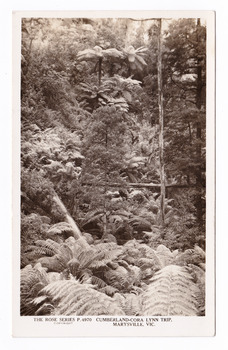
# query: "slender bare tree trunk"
{"type": "Point", "coordinates": [105, 189]}
{"type": "Point", "coordinates": [99, 70]}
{"type": "Point", "coordinates": [161, 127]}
{"type": "Point", "coordinates": [70, 220]}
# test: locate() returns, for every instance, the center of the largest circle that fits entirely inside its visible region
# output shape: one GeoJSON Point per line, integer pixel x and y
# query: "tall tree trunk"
{"type": "Point", "coordinates": [105, 189]}
{"type": "Point", "coordinates": [198, 131]}
{"type": "Point", "coordinates": [99, 70]}
{"type": "Point", "coordinates": [70, 220]}
{"type": "Point", "coordinates": [161, 127]}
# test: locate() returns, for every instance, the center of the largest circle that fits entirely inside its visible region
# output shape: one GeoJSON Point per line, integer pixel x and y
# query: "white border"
{"type": "Point", "coordinates": [220, 340]}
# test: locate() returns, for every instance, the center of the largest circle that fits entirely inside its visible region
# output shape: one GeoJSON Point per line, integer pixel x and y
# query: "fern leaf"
{"type": "Point", "coordinates": [198, 275]}
{"type": "Point", "coordinates": [98, 282]}
{"type": "Point", "coordinates": [73, 308]}
{"type": "Point", "coordinates": [45, 309]}
{"type": "Point", "coordinates": [113, 53]}
{"type": "Point", "coordinates": [140, 222]}
{"type": "Point", "coordinates": [72, 298]}
{"type": "Point", "coordinates": [199, 251]}
{"type": "Point", "coordinates": [164, 255]}
{"type": "Point", "coordinates": [47, 247]}
{"type": "Point", "coordinates": [119, 278]}
{"type": "Point", "coordinates": [39, 300]}
{"type": "Point", "coordinates": [88, 54]}
{"type": "Point", "coordinates": [171, 292]}
{"type": "Point", "coordinates": [103, 258]}
{"type": "Point", "coordinates": [33, 279]}
{"type": "Point", "coordinates": [92, 216]}
{"type": "Point", "coordinates": [145, 263]}
{"type": "Point", "coordinates": [86, 258]}
{"type": "Point", "coordinates": [133, 304]}
{"type": "Point", "coordinates": [190, 256]}
{"type": "Point", "coordinates": [60, 228]}
{"type": "Point", "coordinates": [109, 290]}
{"type": "Point", "coordinates": [53, 263]}
{"type": "Point", "coordinates": [56, 289]}
{"type": "Point", "coordinates": [73, 266]}
{"type": "Point", "coordinates": [65, 252]}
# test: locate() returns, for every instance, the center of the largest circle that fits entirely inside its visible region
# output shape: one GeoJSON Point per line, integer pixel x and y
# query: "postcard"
{"type": "Point", "coordinates": [113, 173]}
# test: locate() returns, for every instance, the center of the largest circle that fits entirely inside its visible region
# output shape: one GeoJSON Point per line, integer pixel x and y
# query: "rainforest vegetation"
{"type": "Point", "coordinates": [113, 117]}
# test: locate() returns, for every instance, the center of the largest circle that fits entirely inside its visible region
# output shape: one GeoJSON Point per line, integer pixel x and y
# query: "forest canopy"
{"type": "Point", "coordinates": [113, 130]}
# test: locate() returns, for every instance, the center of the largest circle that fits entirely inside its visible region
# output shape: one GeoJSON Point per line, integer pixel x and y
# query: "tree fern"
{"type": "Point", "coordinates": [73, 256]}
{"type": "Point", "coordinates": [47, 247]}
{"type": "Point", "coordinates": [171, 292]}
{"type": "Point", "coordinates": [135, 57]}
{"type": "Point", "coordinates": [98, 54]}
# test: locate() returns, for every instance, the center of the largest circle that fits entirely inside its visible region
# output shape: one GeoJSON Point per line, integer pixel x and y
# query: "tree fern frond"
{"type": "Point", "coordinates": [33, 279]}
{"type": "Point", "coordinates": [198, 275]}
{"type": "Point", "coordinates": [103, 258]}
{"type": "Point", "coordinates": [190, 256]}
{"type": "Point", "coordinates": [121, 278]}
{"type": "Point", "coordinates": [164, 254]}
{"type": "Point", "coordinates": [138, 221]}
{"type": "Point", "coordinates": [27, 309]}
{"type": "Point", "coordinates": [171, 292]}
{"type": "Point", "coordinates": [73, 266]}
{"type": "Point", "coordinates": [107, 246]}
{"type": "Point", "coordinates": [56, 289]}
{"type": "Point", "coordinates": [45, 309]}
{"type": "Point", "coordinates": [53, 264]}
{"type": "Point", "coordinates": [109, 290]}
{"type": "Point", "coordinates": [73, 298]}
{"type": "Point", "coordinates": [133, 304]}
{"type": "Point", "coordinates": [199, 251]}
{"type": "Point", "coordinates": [85, 307]}
{"type": "Point", "coordinates": [32, 275]}
{"type": "Point", "coordinates": [35, 289]}
{"type": "Point", "coordinates": [60, 228]}
{"type": "Point", "coordinates": [70, 241]}
{"type": "Point", "coordinates": [74, 306]}
{"type": "Point", "coordinates": [112, 52]}
{"type": "Point", "coordinates": [92, 216]}
{"type": "Point", "coordinates": [86, 258]}
{"type": "Point", "coordinates": [76, 246]}
{"type": "Point", "coordinates": [145, 263]}
{"type": "Point", "coordinates": [65, 252]}
{"type": "Point", "coordinates": [39, 300]}
{"type": "Point", "coordinates": [98, 282]}
{"type": "Point", "coordinates": [47, 247]}
{"type": "Point", "coordinates": [88, 54]}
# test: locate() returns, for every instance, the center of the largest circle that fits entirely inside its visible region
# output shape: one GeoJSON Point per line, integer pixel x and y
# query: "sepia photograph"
{"type": "Point", "coordinates": [113, 130]}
